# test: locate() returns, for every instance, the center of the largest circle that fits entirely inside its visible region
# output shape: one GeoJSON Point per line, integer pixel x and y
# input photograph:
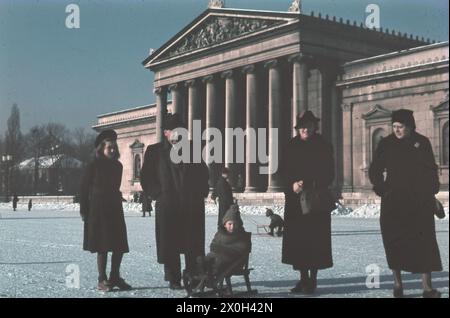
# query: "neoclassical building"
{"type": "Point", "coordinates": [235, 68]}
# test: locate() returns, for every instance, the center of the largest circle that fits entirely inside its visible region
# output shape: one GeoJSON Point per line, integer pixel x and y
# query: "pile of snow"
{"type": "Point", "coordinates": [365, 211]}
{"type": "Point", "coordinates": [212, 209]}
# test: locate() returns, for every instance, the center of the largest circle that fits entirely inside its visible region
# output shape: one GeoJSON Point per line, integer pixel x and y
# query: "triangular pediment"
{"type": "Point", "coordinates": [137, 145]}
{"type": "Point", "coordinates": [377, 112]}
{"type": "Point", "coordinates": [216, 27]}
{"type": "Point", "coordinates": [442, 107]}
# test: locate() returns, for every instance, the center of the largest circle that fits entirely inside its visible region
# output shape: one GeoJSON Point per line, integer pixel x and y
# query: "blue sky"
{"type": "Point", "coordinates": [72, 75]}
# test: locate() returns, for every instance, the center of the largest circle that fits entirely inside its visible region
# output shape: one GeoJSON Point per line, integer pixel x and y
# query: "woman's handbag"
{"type": "Point", "coordinates": [316, 200]}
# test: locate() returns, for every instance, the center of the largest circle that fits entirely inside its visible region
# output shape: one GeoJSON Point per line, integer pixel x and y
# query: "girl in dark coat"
{"type": "Point", "coordinates": [101, 210]}
{"type": "Point", "coordinates": [307, 166]}
{"type": "Point", "coordinates": [407, 201]}
{"type": "Point", "coordinates": [229, 244]}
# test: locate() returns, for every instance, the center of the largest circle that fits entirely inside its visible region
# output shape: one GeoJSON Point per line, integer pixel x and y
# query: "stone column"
{"type": "Point", "coordinates": [231, 104]}
{"type": "Point", "coordinates": [274, 184]}
{"type": "Point", "coordinates": [300, 85]}
{"type": "Point", "coordinates": [161, 110]}
{"type": "Point", "coordinates": [194, 107]}
{"type": "Point", "coordinates": [347, 123]}
{"type": "Point", "coordinates": [336, 136]}
{"type": "Point", "coordinates": [177, 99]}
{"type": "Point", "coordinates": [251, 172]}
{"type": "Point", "coordinates": [211, 121]}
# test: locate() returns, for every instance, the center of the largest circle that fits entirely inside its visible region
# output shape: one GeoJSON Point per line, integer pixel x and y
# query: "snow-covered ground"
{"type": "Point", "coordinates": [40, 250]}
{"type": "Point", "coordinates": [365, 211]}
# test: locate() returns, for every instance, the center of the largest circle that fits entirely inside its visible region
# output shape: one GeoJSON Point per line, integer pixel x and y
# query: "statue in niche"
{"type": "Point", "coordinates": [295, 6]}
{"type": "Point", "coordinates": [216, 4]}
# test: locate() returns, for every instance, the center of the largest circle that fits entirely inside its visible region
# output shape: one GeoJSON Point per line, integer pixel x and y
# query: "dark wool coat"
{"type": "Point", "coordinates": [101, 207]}
{"type": "Point", "coordinates": [276, 221]}
{"type": "Point", "coordinates": [180, 191]}
{"type": "Point", "coordinates": [227, 248]}
{"type": "Point", "coordinates": [224, 192]}
{"type": "Point", "coordinates": [307, 238]}
{"type": "Point", "coordinates": [407, 202]}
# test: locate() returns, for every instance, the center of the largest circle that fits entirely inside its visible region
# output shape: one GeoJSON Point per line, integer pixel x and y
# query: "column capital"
{"type": "Point", "coordinates": [248, 69]}
{"type": "Point", "coordinates": [300, 58]}
{"type": "Point", "coordinates": [175, 86]}
{"type": "Point", "coordinates": [347, 107]}
{"type": "Point", "coordinates": [227, 74]}
{"type": "Point", "coordinates": [271, 63]}
{"type": "Point", "coordinates": [190, 83]}
{"type": "Point", "coordinates": [160, 90]}
{"type": "Point", "coordinates": [208, 79]}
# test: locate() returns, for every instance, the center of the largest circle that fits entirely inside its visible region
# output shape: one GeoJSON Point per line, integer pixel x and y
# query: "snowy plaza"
{"type": "Point", "coordinates": [41, 251]}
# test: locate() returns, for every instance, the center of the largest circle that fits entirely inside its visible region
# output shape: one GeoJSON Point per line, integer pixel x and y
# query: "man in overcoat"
{"type": "Point", "coordinates": [180, 190]}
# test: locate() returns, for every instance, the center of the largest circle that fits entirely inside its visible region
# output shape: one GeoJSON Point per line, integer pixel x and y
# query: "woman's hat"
{"type": "Point", "coordinates": [304, 118]}
{"type": "Point", "coordinates": [404, 116]}
{"type": "Point", "coordinates": [104, 135]}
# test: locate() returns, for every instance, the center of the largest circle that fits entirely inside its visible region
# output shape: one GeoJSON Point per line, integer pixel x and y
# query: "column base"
{"type": "Point", "coordinates": [347, 188]}
{"type": "Point", "coordinates": [251, 190]}
{"type": "Point", "coordinates": [275, 189]}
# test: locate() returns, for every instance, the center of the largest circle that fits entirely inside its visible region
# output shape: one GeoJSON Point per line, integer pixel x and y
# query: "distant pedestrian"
{"type": "Point", "coordinates": [102, 212]}
{"type": "Point", "coordinates": [30, 204]}
{"type": "Point", "coordinates": [14, 201]}
{"type": "Point", "coordinates": [276, 222]}
{"type": "Point", "coordinates": [240, 183]}
{"type": "Point", "coordinates": [146, 202]}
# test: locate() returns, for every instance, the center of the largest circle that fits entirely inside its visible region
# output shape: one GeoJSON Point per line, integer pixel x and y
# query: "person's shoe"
{"type": "Point", "coordinates": [175, 286]}
{"type": "Point", "coordinates": [104, 286]}
{"type": "Point", "coordinates": [120, 283]}
{"type": "Point", "coordinates": [313, 283]}
{"type": "Point", "coordinates": [298, 287]}
{"type": "Point", "coordinates": [398, 292]}
{"type": "Point", "coordinates": [431, 293]}
{"type": "Point", "coordinates": [308, 287]}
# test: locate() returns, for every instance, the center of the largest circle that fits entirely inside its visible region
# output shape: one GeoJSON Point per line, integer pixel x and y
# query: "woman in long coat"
{"type": "Point", "coordinates": [407, 201]}
{"type": "Point", "coordinates": [101, 210]}
{"type": "Point", "coordinates": [307, 166]}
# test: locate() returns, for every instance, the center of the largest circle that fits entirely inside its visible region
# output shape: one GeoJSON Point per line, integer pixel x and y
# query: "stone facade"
{"type": "Point", "coordinates": [372, 88]}
{"type": "Point", "coordinates": [270, 66]}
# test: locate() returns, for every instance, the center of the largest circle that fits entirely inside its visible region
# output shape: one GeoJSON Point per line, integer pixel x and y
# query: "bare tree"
{"type": "Point", "coordinates": [83, 144]}
{"type": "Point", "coordinates": [36, 147]}
{"type": "Point", "coordinates": [13, 135]}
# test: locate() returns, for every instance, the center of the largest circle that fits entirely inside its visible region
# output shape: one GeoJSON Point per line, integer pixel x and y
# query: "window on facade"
{"type": "Point", "coordinates": [445, 144]}
{"type": "Point", "coordinates": [137, 167]}
{"type": "Point", "coordinates": [377, 135]}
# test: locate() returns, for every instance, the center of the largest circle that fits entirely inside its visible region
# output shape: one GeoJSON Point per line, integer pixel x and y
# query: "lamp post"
{"type": "Point", "coordinates": [6, 162]}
